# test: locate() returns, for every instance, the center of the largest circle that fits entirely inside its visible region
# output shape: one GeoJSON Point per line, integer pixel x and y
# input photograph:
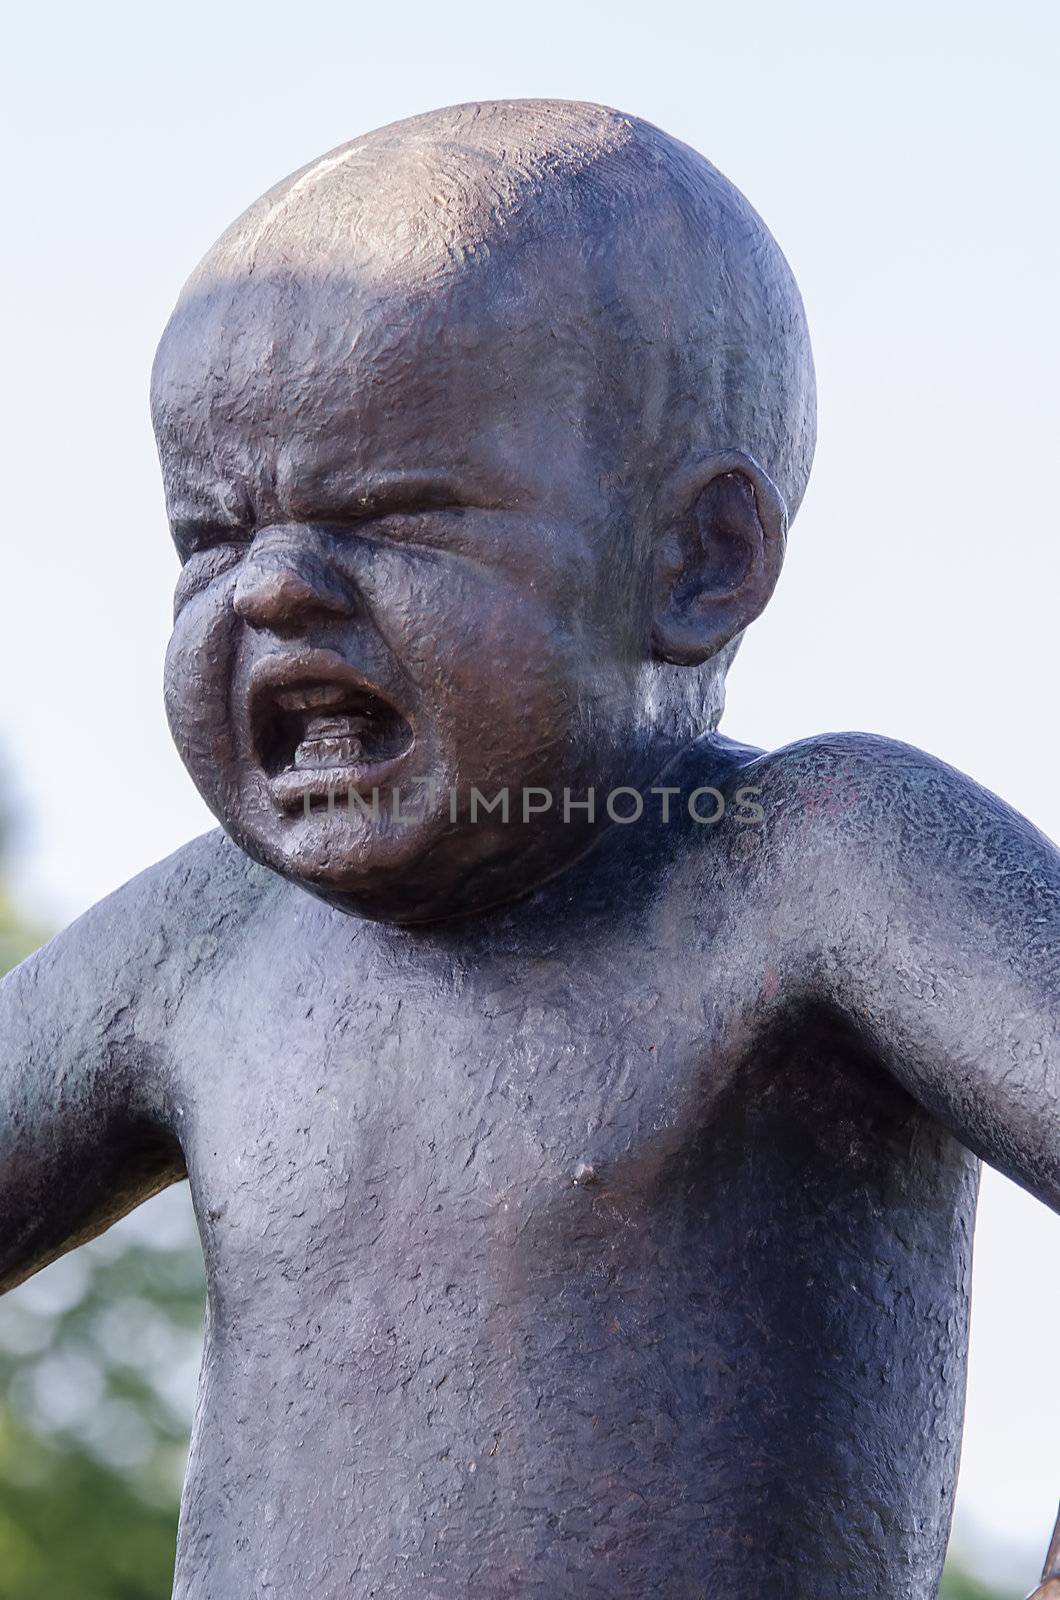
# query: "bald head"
{"type": "Point", "coordinates": [502, 413]}
{"type": "Point", "coordinates": [696, 330]}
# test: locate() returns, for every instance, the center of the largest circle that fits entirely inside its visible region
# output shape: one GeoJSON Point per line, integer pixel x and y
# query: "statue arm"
{"type": "Point", "coordinates": [81, 1142]}
{"type": "Point", "coordinates": [946, 950]}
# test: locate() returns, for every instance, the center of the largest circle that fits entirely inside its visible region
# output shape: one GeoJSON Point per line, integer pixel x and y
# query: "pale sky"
{"type": "Point", "coordinates": [903, 155]}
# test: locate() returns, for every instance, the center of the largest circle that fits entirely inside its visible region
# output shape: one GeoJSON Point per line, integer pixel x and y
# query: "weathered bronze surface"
{"type": "Point", "coordinates": [589, 1212]}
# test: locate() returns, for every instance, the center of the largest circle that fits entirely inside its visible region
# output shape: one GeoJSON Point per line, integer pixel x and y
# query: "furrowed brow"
{"type": "Point", "coordinates": [387, 494]}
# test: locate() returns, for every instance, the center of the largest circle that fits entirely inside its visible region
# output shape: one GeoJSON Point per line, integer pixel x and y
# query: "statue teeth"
{"type": "Point", "coordinates": [328, 752]}
{"type": "Point", "coordinates": [331, 741]}
{"type": "Point", "coordinates": [311, 697]}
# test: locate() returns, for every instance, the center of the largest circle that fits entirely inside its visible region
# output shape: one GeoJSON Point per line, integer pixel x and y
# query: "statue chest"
{"type": "Point", "coordinates": [563, 1281]}
{"type": "Point", "coordinates": [339, 1126]}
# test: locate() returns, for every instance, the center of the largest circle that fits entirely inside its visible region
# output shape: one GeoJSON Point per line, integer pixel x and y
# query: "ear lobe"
{"type": "Point", "coordinates": [719, 557]}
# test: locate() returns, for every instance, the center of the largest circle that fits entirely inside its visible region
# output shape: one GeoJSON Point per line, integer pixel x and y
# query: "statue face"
{"type": "Point", "coordinates": [403, 579]}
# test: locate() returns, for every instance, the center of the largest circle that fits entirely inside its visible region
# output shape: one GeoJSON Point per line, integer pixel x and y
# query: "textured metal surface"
{"type": "Point", "coordinates": [613, 1236]}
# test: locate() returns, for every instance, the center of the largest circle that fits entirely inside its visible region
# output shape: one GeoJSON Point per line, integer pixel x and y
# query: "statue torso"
{"type": "Point", "coordinates": [547, 1255]}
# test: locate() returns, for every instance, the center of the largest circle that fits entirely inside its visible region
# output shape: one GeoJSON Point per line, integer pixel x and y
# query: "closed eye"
{"type": "Point", "coordinates": [202, 567]}
{"type": "Point", "coordinates": [434, 526]}
{"type": "Point", "coordinates": [194, 537]}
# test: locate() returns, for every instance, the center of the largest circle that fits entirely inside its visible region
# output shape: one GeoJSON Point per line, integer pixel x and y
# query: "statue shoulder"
{"type": "Point", "coordinates": [857, 784]}
{"type": "Point", "coordinates": [860, 832]}
{"type": "Point", "coordinates": [167, 916]}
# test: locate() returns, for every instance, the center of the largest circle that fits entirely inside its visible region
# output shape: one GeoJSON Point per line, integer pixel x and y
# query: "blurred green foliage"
{"type": "Point", "coordinates": [960, 1585]}
{"type": "Point", "coordinates": [97, 1370]}
{"type": "Point", "coordinates": [17, 937]}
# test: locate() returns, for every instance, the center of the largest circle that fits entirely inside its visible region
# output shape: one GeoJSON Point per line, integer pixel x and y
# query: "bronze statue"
{"type": "Point", "coordinates": [586, 1164]}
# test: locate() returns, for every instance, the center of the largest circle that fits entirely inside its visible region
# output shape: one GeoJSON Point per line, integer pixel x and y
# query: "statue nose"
{"type": "Point", "coordinates": [282, 585]}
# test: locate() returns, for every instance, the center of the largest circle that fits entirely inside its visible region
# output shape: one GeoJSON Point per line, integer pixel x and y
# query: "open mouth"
{"type": "Point", "coordinates": [317, 734]}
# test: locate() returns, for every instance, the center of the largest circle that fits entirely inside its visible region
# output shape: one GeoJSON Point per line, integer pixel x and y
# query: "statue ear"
{"type": "Point", "coordinates": [718, 558]}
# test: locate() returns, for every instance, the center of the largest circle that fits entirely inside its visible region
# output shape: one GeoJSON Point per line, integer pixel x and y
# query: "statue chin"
{"type": "Point", "coordinates": [425, 873]}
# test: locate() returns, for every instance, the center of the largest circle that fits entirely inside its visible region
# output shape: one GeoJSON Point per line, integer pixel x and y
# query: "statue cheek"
{"type": "Point", "coordinates": [198, 678]}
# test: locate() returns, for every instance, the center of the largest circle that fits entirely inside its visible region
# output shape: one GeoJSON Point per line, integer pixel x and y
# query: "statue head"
{"type": "Point", "coordinates": [481, 437]}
